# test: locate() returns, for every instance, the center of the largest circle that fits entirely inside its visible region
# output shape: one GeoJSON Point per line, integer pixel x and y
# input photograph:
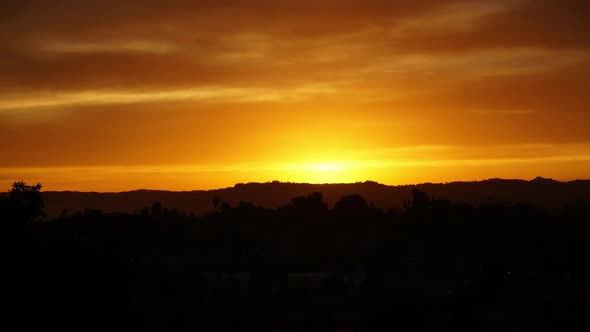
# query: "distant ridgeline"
{"type": "Point", "coordinates": [540, 192]}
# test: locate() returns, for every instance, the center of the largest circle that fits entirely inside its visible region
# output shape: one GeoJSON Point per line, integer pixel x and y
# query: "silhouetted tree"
{"type": "Point", "coordinates": [144, 211]}
{"type": "Point", "coordinates": [312, 205]}
{"type": "Point", "coordinates": [420, 200]}
{"type": "Point", "coordinates": [18, 208]}
{"type": "Point", "coordinates": [23, 202]}
{"type": "Point", "coordinates": [216, 200]}
{"type": "Point", "coordinates": [224, 207]}
{"type": "Point", "coordinates": [157, 209]}
{"type": "Point", "coordinates": [351, 205]}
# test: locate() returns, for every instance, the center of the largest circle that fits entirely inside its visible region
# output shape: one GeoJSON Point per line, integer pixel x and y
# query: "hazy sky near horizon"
{"type": "Point", "coordinates": [118, 95]}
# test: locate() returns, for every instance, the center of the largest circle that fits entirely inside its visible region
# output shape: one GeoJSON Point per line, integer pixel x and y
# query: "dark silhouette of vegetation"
{"type": "Point", "coordinates": [19, 207]}
{"type": "Point", "coordinates": [216, 200]}
{"type": "Point", "coordinates": [431, 265]}
{"type": "Point", "coordinates": [22, 203]}
{"type": "Point", "coordinates": [351, 206]}
{"type": "Point", "coordinates": [545, 193]}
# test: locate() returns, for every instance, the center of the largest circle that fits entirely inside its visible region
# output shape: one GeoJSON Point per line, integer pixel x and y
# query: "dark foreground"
{"type": "Point", "coordinates": [432, 265]}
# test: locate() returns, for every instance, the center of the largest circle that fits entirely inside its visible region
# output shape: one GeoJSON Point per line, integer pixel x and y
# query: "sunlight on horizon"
{"type": "Point", "coordinates": [562, 167]}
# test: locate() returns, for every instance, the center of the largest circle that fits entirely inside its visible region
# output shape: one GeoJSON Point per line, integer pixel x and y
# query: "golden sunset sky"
{"type": "Point", "coordinates": [108, 95]}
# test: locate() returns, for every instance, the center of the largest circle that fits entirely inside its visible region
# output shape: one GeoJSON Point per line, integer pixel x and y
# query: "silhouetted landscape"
{"type": "Point", "coordinates": [539, 192]}
{"type": "Point", "coordinates": [496, 255]}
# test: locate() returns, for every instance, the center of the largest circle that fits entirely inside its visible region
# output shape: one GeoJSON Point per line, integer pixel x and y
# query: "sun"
{"type": "Point", "coordinates": [322, 172]}
{"type": "Point", "coordinates": [326, 166]}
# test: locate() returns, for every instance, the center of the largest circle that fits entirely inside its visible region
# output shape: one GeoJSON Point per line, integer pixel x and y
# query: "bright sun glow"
{"type": "Point", "coordinates": [331, 166]}
{"type": "Point", "coordinates": [321, 172]}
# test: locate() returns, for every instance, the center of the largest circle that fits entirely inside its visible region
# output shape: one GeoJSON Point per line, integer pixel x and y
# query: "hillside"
{"type": "Point", "coordinates": [540, 192]}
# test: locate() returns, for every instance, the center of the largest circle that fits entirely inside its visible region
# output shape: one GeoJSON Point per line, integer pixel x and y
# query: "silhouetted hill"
{"type": "Point", "coordinates": [540, 192]}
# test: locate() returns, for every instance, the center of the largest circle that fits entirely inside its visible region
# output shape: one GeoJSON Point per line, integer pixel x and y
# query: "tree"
{"type": "Point", "coordinates": [157, 209]}
{"type": "Point", "coordinates": [420, 200]}
{"type": "Point", "coordinates": [24, 202]}
{"type": "Point", "coordinates": [310, 205]}
{"type": "Point", "coordinates": [216, 200]}
{"type": "Point", "coordinates": [352, 206]}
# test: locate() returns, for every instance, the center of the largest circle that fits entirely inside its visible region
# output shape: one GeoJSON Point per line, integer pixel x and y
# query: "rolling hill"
{"type": "Point", "coordinates": [540, 192]}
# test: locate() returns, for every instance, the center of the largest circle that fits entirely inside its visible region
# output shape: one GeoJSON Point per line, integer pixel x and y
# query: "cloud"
{"type": "Point", "coordinates": [545, 24]}
{"type": "Point", "coordinates": [80, 46]}
{"type": "Point", "coordinates": [212, 93]}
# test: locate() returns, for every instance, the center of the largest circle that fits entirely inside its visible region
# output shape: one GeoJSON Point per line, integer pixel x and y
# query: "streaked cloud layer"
{"type": "Point", "coordinates": [89, 86]}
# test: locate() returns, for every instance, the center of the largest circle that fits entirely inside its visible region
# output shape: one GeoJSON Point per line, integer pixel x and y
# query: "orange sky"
{"type": "Point", "coordinates": [119, 95]}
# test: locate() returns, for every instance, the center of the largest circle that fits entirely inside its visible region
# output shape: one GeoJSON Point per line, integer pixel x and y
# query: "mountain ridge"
{"type": "Point", "coordinates": [541, 192]}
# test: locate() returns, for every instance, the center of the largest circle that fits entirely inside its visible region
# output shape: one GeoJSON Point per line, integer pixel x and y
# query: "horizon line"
{"type": "Point", "coordinates": [318, 184]}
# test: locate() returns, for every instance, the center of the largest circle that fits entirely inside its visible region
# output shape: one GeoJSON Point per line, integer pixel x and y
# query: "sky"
{"type": "Point", "coordinates": [105, 95]}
